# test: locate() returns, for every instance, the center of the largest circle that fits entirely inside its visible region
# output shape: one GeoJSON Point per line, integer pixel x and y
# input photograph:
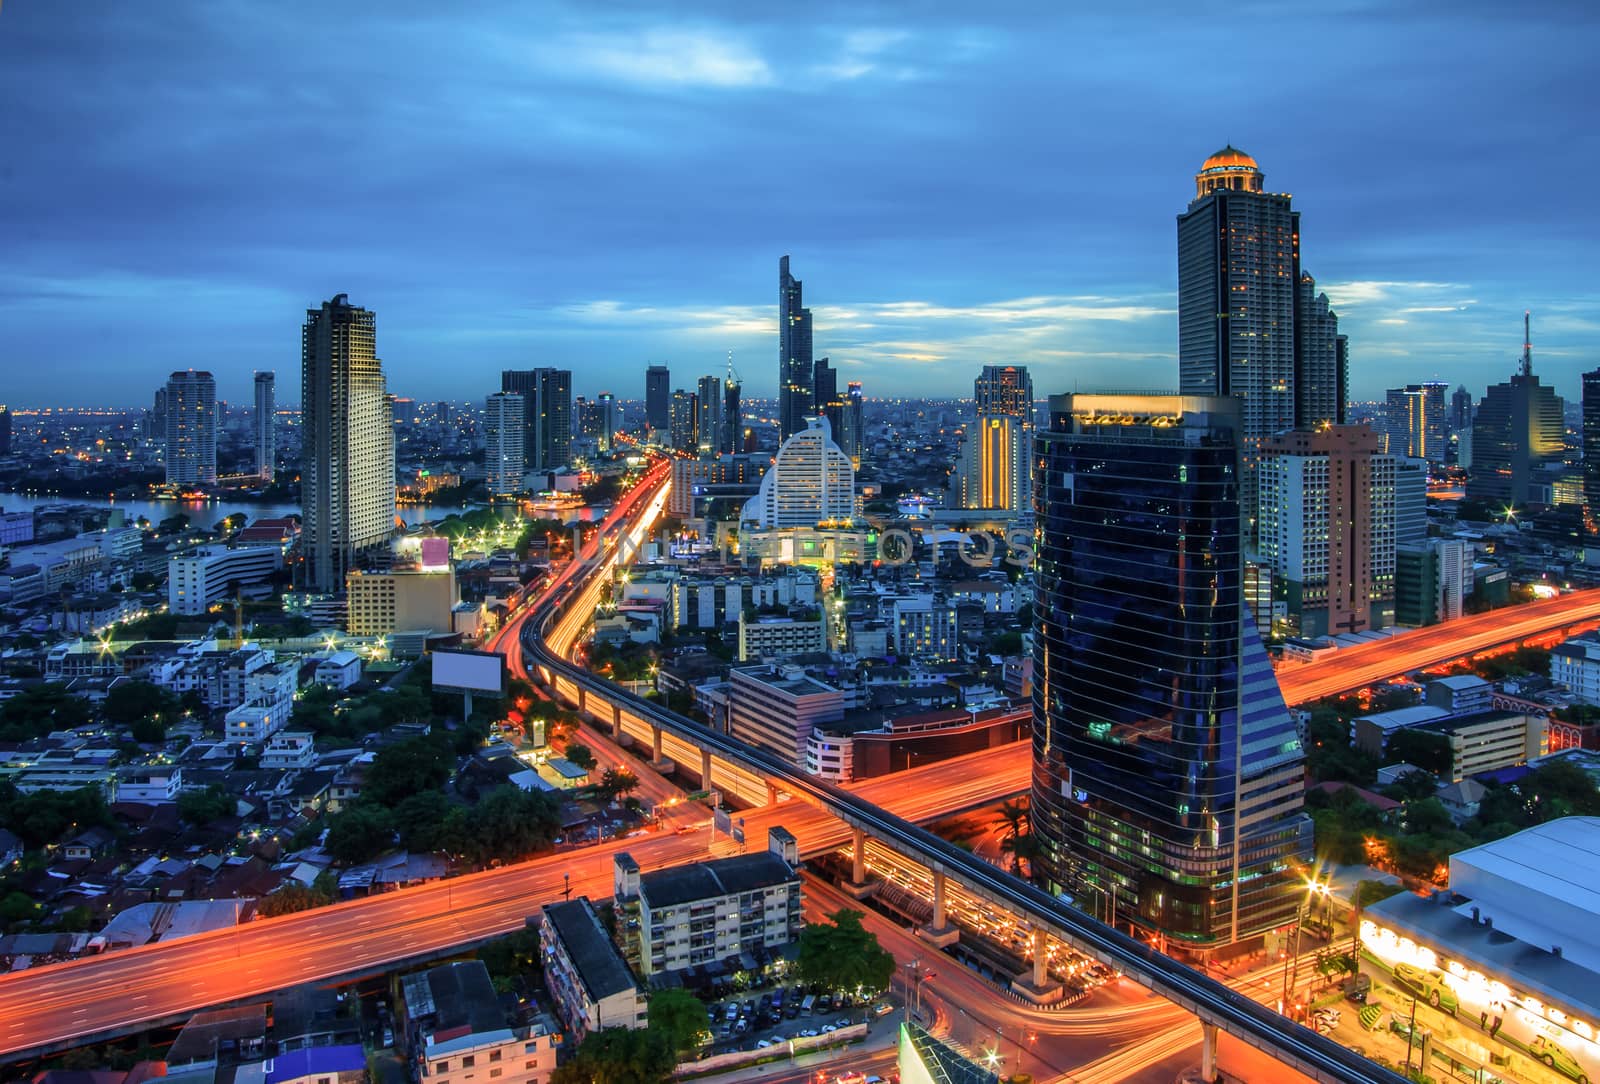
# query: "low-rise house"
{"type": "Point", "coordinates": [457, 1032]}
{"type": "Point", "coordinates": [587, 977]}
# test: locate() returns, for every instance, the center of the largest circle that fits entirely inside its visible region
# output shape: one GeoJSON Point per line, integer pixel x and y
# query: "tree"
{"type": "Point", "coordinates": [420, 819]}
{"type": "Point", "coordinates": [17, 908]}
{"type": "Point", "coordinates": [1424, 748]}
{"type": "Point", "coordinates": [410, 767]}
{"type": "Point", "coordinates": [361, 832]}
{"type": "Point", "coordinates": [1013, 816]}
{"type": "Point", "coordinates": [292, 897]}
{"type": "Point", "coordinates": [620, 1056]}
{"type": "Point", "coordinates": [844, 955]}
{"type": "Point", "coordinates": [35, 712]}
{"type": "Point", "coordinates": [131, 702]}
{"type": "Point", "coordinates": [205, 806]}
{"type": "Point", "coordinates": [681, 1017]}
{"type": "Point", "coordinates": [45, 816]}
{"type": "Point", "coordinates": [615, 782]}
{"type": "Point", "coordinates": [508, 824]}
{"type": "Point", "coordinates": [581, 755]}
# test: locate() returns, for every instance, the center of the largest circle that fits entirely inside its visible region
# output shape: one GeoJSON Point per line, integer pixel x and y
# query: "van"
{"type": "Point", "coordinates": [809, 1003]}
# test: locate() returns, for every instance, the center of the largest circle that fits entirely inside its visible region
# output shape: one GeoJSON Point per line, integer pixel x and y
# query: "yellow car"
{"type": "Point", "coordinates": [1427, 985]}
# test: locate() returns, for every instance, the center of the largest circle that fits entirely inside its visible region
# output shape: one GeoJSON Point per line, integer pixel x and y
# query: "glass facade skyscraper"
{"type": "Point", "coordinates": [657, 395]}
{"type": "Point", "coordinates": [1167, 780]}
{"type": "Point", "coordinates": [547, 415]}
{"type": "Point", "coordinates": [795, 389]}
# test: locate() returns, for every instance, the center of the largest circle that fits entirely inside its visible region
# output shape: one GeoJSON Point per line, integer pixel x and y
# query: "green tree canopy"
{"type": "Point", "coordinates": [46, 816]}
{"type": "Point", "coordinates": [843, 955]}
{"type": "Point", "coordinates": [581, 755]}
{"type": "Point", "coordinates": [37, 711]}
{"type": "Point", "coordinates": [620, 1056]}
{"type": "Point", "coordinates": [615, 782]}
{"type": "Point", "coordinates": [361, 832]}
{"type": "Point", "coordinates": [408, 768]}
{"type": "Point", "coordinates": [681, 1017]}
{"type": "Point", "coordinates": [130, 701]}
{"type": "Point", "coordinates": [204, 806]}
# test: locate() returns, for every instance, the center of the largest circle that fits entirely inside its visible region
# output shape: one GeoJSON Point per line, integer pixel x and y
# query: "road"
{"type": "Point", "coordinates": [70, 1003]}
{"type": "Point", "coordinates": [1353, 667]}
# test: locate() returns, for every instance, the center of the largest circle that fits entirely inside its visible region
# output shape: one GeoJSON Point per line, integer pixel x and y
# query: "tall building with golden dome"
{"type": "Point", "coordinates": [1250, 323]}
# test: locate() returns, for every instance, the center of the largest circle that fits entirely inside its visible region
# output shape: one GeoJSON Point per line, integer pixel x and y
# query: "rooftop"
{"type": "Point", "coordinates": [707, 880]}
{"type": "Point", "coordinates": [600, 967]}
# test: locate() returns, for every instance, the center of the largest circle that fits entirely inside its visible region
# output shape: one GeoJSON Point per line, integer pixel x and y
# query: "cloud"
{"type": "Point", "coordinates": [659, 57]}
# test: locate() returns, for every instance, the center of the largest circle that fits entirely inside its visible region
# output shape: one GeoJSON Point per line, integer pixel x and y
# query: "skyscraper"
{"type": "Point", "coordinates": [347, 443]}
{"type": "Point", "coordinates": [266, 426]}
{"type": "Point", "coordinates": [657, 394]}
{"type": "Point", "coordinates": [1415, 421]}
{"type": "Point", "coordinates": [682, 416]}
{"type": "Point", "coordinates": [1167, 774]}
{"type": "Point", "coordinates": [1327, 528]}
{"type": "Point", "coordinates": [610, 419]}
{"type": "Point", "coordinates": [853, 436]}
{"type": "Point", "coordinates": [824, 385]}
{"type": "Point", "coordinates": [1460, 410]}
{"type": "Point", "coordinates": [504, 431]}
{"type": "Point", "coordinates": [810, 482]}
{"type": "Point", "coordinates": [995, 466]}
{"type": "Point", "coordinates": [191, 413]}
{"type": "Point", "coordinates": [1004, 389]}
{"type": "Point", "coordinates": [1518, 429]}
{"type": "Point", "coordinates": [5, 429]}
{"type": "Point", "coordinates": [1250, 325]}
{"type": "Point", "coordinates": [708, 415]}
{"type": "Point", "coordinates": [795, 388]}
{"type": "Point", "coordinates": [1591, 444]}
{"type": "Point", "coordinates": [547, 415]}
{"type": "Point", "coordinates": [732, 428]}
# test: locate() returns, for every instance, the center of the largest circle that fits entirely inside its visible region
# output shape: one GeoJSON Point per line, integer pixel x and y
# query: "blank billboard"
{"type": "Point", "coordinates": [477, 671]}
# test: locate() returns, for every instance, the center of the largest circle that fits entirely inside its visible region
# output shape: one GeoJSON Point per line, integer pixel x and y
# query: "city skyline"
{"type": "Point", "coordinates": [921, 280]}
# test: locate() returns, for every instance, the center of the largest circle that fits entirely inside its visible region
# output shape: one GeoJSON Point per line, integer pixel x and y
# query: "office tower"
{"type": "Point", "coordinates": [810, 482]}
{"type": "Point", "coordinates": [610, 419]}
{"type": "Point", "coordinates": [1410, 501]}
{"type": "Point", "coordinates": [994, 470]}
{"type": "Point", "coordinates": [854, 437]}
{"type": "Point", "coordinates": [191, 428]}
{"type": "Point", "coordinates": [732, 430]}
{"type": "Point", "coordinates": [347, 443]}
{"type": "Point", "coordinates": [1250, 325]}
{"type": "Point", "coordinates": [1327, 528]}
{"type": "Point", "coordinates": [1415, 416]}
{"type": "Point", "coordinates": [1591, 443]}
{"type": "Point", "coordinates": [404, 410]}
{"type": "Point", "coordinates": [441, 413]}
{"type": "Point", "coordinates": [547, 415]}
{"type": "Point", "coordinates": [266, 426]}
{"type": "Point", "coordinates": [1460, 410]}
{"type": "Point", "coordinates": [1517, 429]}
{"type": "Point", "coordinates": [504, 431]}
{"type": "Point", "coordinates": [1167, 773]}
{"type": "Point", "coordinates": [1432, 579]}
{"type": "Point", "coordinates": [5, 429]}
{"type": "Point", "coordinates": [682, 414]}
{"type": "Point", "coordinates": [657, 396]}
{"type": "Point", "coordinates": [794, 355]}
{"type": "Point", "coordinates": [1004, 389]}
{"type": "Point", "coordinates": [1322, 376]}
{"type": "Point", "coordinates": [824, 384]}
{"type": "Point", "coordinates": [708, 415]}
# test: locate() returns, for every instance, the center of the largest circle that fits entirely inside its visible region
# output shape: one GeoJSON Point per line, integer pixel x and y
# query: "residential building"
{"type": "Point", "coordinates": [1326, 528]}
{"type": "Point", "coordinates": [150, 784]}
{"type": "Point", "coordinates": [1431, 581]}
{"type": "Point", "coordinates": [709, 912]}
{"type": "Point", "coordinates": [708, 416]}
{"type": "Point", "coordinates": [265, 423]}
{"type": "Point", "coordinates": [5, 435]}
{"type": "Point", "coordinates": [347, 479]}
{"type": "Point", "coordinates": [1415, 421]}
{"type": "Point", "coordinates": [609, 417]}
{"type": "Point", "coordinates": [1168, 773]}
{"type": "Point", "coordinates": [460, 1032]}
{"type": "Point", "coordinates": [588, 979]}
{"type": "Point", "coordinates": [852, 433]}
{"type": "Point", "coordinates": [773, 636]}
{"type": "Point", "coordinates": [775, 708]}
{"type": "Point", "coordinates": [291, 750]}
{"type": "Point", "coordinates": [732, 431]}
{"type": "Point", "coordinates": [996, 466]}
{"type": "Point", "coordinates": [1410, 501]}
{"type": "Point", "coordinates": [1004, 391]}
{"type": "Point", "coordinates": [924, 625]}
{"type": "Point", "coordinates": [1591, 443]}
{"type": "Point", "coordinates": [200, 577]}
{"type": "Point", "coordinates": [338, 669]}
{"type": "Point", "coordinates": [1517, 431]}
{"type": "Point", "coordinates": [682, 418]}
{"type": "Point", "coordinates": [795, 376]}
{"type": "Point", "coordinates": [505, 430]}
{"type": "Point", "coordinates": [1241, 330]}
{"type": "Point", "coordinates": [657, 397]}
{"type": "Point", "coordinates": [1575, 664]}
{"type": "Point", "coordinates": [342, 1064]}
{"type": "Point", "coordinates": [547, 416]}
{"type": "Point", "coordinates": [191, 417]}
{"type": "Point", "coordinates": [401, 600]}
{"type": "Point", "coordinates": [810, 482]}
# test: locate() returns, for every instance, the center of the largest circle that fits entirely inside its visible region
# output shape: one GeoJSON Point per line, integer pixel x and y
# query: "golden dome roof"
{"type": "Point", "coordinates": [1230, 157]}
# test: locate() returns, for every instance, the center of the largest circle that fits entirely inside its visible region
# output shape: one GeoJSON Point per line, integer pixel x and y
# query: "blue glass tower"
{"type": "Point", "coordinates": [1167, 783]}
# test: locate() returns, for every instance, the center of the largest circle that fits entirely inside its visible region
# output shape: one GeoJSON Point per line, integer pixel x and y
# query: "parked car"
{"type": "Point", "coordinates": [1358, 988]}
{"type": "Point", "coordinates": [1427, 985]}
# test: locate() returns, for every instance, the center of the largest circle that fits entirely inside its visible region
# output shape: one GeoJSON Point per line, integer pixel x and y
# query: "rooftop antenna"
{"type": "Point", "coordinates": [1527, 344]}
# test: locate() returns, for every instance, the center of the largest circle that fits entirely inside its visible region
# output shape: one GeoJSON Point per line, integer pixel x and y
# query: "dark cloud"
{"type": "Point", "coordinates": [545, 184]}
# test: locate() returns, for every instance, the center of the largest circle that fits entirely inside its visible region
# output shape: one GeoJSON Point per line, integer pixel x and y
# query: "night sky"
{"type": "Point", "coordinates": [600, 186]}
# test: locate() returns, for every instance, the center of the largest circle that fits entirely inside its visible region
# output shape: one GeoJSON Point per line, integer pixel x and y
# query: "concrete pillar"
{"type": "Point", "coordinates": [938, 930]}
{"type": "Point", "coordinates": [858, 856]}
{"type": "Point", "coordinates": [938, 899]}
{"type": "Point", "coordinates": [1208, 1052]}
{"type": "Point", "coordinates": [581, 692]}
{"type": "Point", "coordinates": [616, 723]}
{"type": "Point", "coordinates": [655, 744]}
{"type": "Point", "coordinates": [772, 794]}
{"type": "Point", "coordinates": [1041, 950]}
{"type": "Point", "coordinates": [705, 769]}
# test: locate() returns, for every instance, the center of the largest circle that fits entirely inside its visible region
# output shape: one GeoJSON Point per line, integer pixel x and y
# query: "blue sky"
{"type": "Point", "coordinates": [604, 185]}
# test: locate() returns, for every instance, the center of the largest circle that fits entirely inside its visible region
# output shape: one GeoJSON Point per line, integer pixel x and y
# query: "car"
{"type": "Point", "coordinates": [1329, 1017]}
{"type": "Point", "coordinates": [791, 1010]}
{"type": "Point", "coordinates": [829, 1029]}
{"type": "Point", "coordinates": [1358, 988]}
{"type": "Point", "coordinates": [763, 1044]}
{"type": "Point", "coordinates": [1427, 985]}
{"type": "Point", "coordinates": [1557, 1057]}
{"type": "Point", "coordinates": [842, 1022]}
{"type": "Point", "coordinates": [776, 1040]}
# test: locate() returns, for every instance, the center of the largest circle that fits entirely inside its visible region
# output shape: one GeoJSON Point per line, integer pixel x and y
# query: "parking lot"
{"type": "Point", "coordinates": [763, 1019]}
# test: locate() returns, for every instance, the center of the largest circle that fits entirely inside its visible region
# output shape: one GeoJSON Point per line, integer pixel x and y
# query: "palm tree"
{"type": "Point", "coordinates": [1013, 816]}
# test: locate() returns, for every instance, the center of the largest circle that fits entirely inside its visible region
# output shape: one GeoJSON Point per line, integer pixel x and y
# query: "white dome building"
{"type": "Point", "coordinates": [810, 482]}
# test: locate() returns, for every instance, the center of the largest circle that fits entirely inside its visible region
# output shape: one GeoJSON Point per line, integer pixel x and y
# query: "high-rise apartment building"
{"type": "Point", "coordinates": [682, 416]}
{"type": "Point", "coordinates": [5, 429]}
{"type": "Point", "coordinates": [266, 426]}
{"type": "Point", "coordinates": [995, 470]}
{"type": "Point", "coordinates": [191, 415]}
{"type": "Point", "coordinates": [810, 482]}
{"type": "Point", "coordinates": [1591, 443]}
{"type": "Point", "coordinates": [1250, 323]}
{"type": "Point", "coordinates": [504, 431]}
{"type": "Point", "coordinates": [1168, 775]}
{"type": "Point", "coordinates": [347, 443]}
{"type": "Point", "coordinates": [1004, 389]}
{"type": "Point", "coordinates": [657, 396]}
{"type": "Point", "coordinates": [732, 430]}
{"type": "Point", "coordinates": [708, 415]}
{"type": "Point", "coordinates": [1327, 528]}
{"type": "Point", "coordinates": [547, 415]}
{"type": "Point", "coordinates": [1517, 430]}
{"type": "Point", "coordinates": [1460, 416]}
{"type": "Point", "coordinates": [824, 384]}
{"type": "Point", "coordinates": [1415, 416]}
{"type": "Point", "coordinates": [610, 420]}
{"type": "Point", "coordinates": [795, 378]}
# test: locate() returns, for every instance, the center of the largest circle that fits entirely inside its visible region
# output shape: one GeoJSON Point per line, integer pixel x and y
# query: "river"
{"type": "Point", "coordinates": [207, 514]}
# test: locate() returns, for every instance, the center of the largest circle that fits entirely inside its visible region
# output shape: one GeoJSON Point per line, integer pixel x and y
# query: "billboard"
{"type": "Point", "coordinates": [435, 553]}
{"type": "Point", "coordinates": [470, 671]}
